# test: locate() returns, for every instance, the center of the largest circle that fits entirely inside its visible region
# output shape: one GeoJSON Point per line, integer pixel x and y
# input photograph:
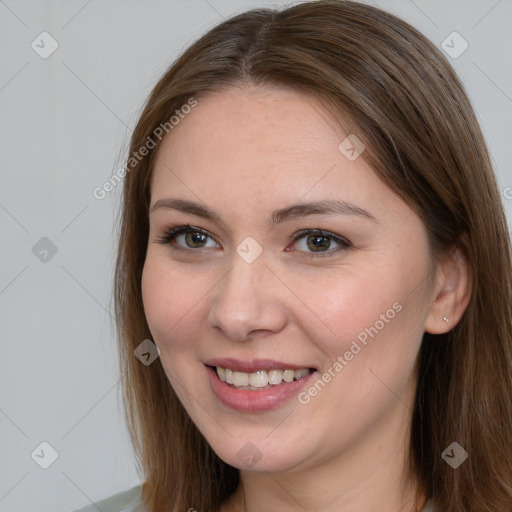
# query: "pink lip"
{"type": "Point", "coordinates": [253, 365]}
{"type": "Point", "coordinates": [255, 401]}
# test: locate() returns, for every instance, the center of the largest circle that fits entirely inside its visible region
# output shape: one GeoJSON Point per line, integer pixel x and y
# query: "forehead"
{"type": "Point", "coordinates": [262, 148]}
{"type": "Point", "coordinates": [262, 119]}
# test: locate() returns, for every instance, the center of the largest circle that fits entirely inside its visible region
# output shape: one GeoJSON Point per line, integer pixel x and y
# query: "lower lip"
{"type": "Point", "coordinates": [255, 401]}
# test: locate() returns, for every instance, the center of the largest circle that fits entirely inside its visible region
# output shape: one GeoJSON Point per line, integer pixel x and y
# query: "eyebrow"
{"type": "Point", "coordinates": [295, 211]}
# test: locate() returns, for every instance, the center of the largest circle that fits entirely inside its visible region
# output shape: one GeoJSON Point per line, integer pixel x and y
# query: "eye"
{"type": "Point", "coordinates": [318, 241]}
{"type": "Point", "coordinates": [194, 237]}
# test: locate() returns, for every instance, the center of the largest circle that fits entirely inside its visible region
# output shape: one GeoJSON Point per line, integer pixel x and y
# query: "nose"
{"type": "Point", "coordinates": [249, 301]}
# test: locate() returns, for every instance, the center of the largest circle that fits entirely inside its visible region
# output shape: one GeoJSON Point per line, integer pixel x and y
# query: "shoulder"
{"type": "Point", "coordinates": [127, 501]}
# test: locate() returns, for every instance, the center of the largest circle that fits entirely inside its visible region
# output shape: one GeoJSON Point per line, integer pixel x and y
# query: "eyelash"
{"type": "Point", "coordinates": [169, 236]}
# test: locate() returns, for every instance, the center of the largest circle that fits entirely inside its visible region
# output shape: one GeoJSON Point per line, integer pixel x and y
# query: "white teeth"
{"type": "Point", "coordinates": [288, 375]}
{"type": "Point", "coordinates": [258, 379]}
{"type": "Point", "coordinates": [240, 379]}
{"type": "Point", "coordinates": [261, 378]}
{"type": "Point", "coordinates": [275, 376]}
{"type": "Point", "coordinates": [221, 372]}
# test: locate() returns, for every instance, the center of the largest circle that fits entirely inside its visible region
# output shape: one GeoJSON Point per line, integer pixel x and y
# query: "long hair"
{"type": "Point", "coordinates": [400, 95]}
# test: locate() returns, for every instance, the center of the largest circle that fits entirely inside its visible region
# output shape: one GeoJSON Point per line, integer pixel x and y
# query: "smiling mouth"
{"type": "Point", "coordinates": [261, 379]}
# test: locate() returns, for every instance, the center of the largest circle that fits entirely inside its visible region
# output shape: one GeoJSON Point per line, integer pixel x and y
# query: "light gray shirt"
{"type": "Point", "coordinates": [131, 501]}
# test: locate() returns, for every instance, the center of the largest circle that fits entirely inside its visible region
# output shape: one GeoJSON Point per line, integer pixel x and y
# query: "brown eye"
{"type": "Point", "coordinates": [193, 238]}
{"type": "Point", "coordinates": [318, 242]}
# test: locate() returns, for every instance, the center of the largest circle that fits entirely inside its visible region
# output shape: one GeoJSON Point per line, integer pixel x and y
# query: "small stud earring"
{"type": "Point", "coordinates": [445, 319]}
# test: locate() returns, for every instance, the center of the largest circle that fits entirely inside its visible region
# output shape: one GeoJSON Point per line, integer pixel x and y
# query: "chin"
{"type": "Point", "coordinates": [261, 454]}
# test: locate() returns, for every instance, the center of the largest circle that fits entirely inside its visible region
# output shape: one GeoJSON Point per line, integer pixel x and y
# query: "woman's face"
{"type": "Point", "coordinates": [334, 319]}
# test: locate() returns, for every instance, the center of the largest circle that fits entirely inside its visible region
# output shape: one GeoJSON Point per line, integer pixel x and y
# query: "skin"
{"type": "Point", "coordinates": [245, 152]}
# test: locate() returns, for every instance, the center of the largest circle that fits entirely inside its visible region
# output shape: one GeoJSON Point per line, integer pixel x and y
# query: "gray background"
{"type": "Point", "coordinates": [64, 120]}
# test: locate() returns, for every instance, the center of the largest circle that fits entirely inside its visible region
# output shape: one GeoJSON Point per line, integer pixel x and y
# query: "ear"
{"type": "Point", "coordinates": [452, 288]}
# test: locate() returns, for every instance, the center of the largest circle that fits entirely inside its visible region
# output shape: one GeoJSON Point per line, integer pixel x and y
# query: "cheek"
{"type": "Point", "coordinates": [155, 295]}
{"type": "Point", "coordinates": [371, 315]}
{"type": "Point", "coordinates": [339, 307]}
{"type": "Point", "coordinates": [167, 298]}
{"type": "Point", "coordinates": [172, 302]}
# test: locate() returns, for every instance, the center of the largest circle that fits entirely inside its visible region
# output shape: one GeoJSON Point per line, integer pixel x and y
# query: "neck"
{"type": "Point", "coordinates": [289, 493]}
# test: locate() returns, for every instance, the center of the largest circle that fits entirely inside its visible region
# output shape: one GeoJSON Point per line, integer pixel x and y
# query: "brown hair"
{"type": "Point", "coordinates": [423, 140]}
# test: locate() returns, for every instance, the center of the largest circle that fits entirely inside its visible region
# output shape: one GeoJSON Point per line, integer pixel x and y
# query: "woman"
{"type": "Point", "coordinates": [313, 239]}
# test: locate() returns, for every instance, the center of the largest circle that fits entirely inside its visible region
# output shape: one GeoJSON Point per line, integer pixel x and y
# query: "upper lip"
{"type": "Point", "coordinates": [253, 365]}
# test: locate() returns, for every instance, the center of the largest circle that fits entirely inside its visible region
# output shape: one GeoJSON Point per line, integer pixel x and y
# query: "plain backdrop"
{"type": "Point", "coordinates": [64, 120]}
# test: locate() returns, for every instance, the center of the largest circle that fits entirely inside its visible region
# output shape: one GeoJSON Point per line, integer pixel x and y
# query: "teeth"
{"type": "Point", "coordinates": [221, 372]}
{"type": "Point", "coordinates": [240, 379]}
{"type": "Point", "coordinates": [258, 379]}
{"type": "Point", "coordinates": [261, 378]}
{"type": "Point", "coordinates": [275, 376]}
{"type": "Point", "coordinates": [288, 375]}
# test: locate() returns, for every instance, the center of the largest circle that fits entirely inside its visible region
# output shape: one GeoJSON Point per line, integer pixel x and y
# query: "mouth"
{"type": "Point", "coordinates": [256, 386]}
{"type": "Point", "coordinates": [260, 379]}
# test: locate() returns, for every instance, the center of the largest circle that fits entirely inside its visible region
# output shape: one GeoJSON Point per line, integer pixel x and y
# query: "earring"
{"type": "Point", "coordinates": [445, 319]}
